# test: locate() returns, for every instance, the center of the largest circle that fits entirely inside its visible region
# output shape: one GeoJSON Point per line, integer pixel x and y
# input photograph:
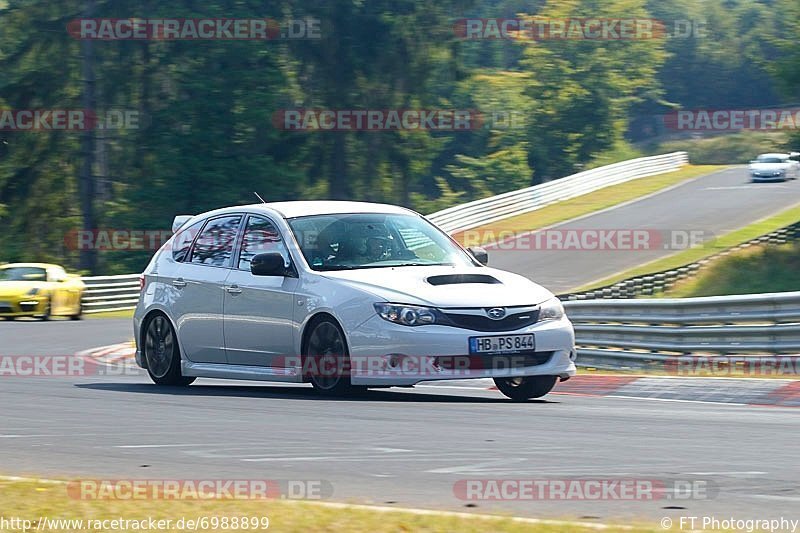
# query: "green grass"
{"type": "Point", "coordinates": [754, 270]}
{"type": "Point", "coordinates": [31, 500]}
{"type": "Point", "coordinates": [585, 204]}
{"type": "Point", "coordinates": [729, 240]}
{"type": "Point", "coordinates": [127, 313]}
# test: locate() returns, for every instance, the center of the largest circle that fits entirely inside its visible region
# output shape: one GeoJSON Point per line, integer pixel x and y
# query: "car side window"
{"type": "Point", "coordinates": [214, 246]}
{"type": "Point", "coordinates": [261, 237]}
{"type": "Point", "coordinates": [56, 274]}
{"type": "Point", "coordinates": [182, 242]}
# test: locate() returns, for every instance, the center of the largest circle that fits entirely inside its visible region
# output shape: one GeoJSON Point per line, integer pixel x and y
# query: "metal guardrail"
{"type": "Point", "coordinates": [110, 293]}
{"type": "Point", "coordinates": [642, 333]}
{"type": "Point", "coordinates": [510, 204]}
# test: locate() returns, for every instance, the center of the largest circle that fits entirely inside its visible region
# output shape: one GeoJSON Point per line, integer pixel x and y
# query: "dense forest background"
{"type": "Point", "coordinates": [207, 139]}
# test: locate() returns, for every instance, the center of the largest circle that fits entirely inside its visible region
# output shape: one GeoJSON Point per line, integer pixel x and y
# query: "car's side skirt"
{"type": "Point", "coordinates": [252, 373]}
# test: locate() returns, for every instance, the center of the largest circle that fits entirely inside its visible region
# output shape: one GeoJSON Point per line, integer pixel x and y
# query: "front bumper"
{"type": "Point", "coordinates": [20, 306]}
{"type": "Point", "coordinates": [759, 177]}
{"type": "Point", "coordinates": [386, 354]}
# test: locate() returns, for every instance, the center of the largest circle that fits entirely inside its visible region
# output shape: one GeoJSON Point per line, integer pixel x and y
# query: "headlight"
{"type": "Point", "coordinates": [551, 310]}
{"type": "Point", "coordinates": [407, 315]}
{"type": "Point", "coordinates": [32, 292]}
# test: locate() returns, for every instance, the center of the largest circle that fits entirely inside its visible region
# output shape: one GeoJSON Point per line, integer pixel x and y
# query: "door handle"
{"type": "Point", "coordinates": [179, 283]}
{"type": "Point", "coordinates": [233, 289]}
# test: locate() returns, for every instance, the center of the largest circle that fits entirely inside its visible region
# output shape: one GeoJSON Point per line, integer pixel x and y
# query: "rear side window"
{"type": "Point", "coordinates": [214, 246]}
{"type": "Point", "coordinates": [183, 240]}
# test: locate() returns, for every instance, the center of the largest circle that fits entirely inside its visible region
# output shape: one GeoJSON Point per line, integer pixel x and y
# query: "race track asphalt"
{"type": "Point", "coordinates": [408, 447]}
{"type": "Point", "coordinates": [712, 205]}
{"type": "Point", "coordinates": [405, 448]}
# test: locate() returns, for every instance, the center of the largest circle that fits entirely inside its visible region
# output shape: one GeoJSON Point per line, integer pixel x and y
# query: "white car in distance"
{"type": "Point", "coordinates": [774, 167]}
{"type": "Point", "coordinates": [346, 296]}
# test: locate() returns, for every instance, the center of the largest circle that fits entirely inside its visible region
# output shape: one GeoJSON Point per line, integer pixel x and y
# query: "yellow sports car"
{"type": "Point", "coordinates": [39, 290]}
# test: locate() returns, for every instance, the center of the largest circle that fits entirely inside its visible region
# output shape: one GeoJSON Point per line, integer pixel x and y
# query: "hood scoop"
{"type": "Point", "coordinates": [456, 279]}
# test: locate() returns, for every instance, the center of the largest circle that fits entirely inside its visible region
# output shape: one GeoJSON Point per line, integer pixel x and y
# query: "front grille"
{"type": "Point", "coordinates": [511, 322]}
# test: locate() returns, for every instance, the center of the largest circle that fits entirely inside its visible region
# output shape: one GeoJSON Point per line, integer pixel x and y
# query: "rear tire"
{"type": "Point", "coordinates": [162, 353]}
{"type": "Point", "coordinates": [525, 388]}
{"type": "Point", "coordinates": [326, 359]}
{"type": "Point", "coordinates": [80, 313]}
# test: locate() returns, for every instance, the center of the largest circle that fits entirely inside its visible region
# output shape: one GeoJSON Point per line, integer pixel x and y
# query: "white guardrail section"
{"type": "Point", "coordinates": [648, 332]}
{"type": "Point", "coordinates": [109, 293]}
{"type": "Point", "coordinates": [510, 204]}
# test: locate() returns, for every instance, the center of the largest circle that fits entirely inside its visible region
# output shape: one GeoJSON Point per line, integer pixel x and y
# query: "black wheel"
{"type": "Point", "coordinates": [162, 353]}
{"type": "Point", "coordinates": [46, 316]}
{"type": "Point", "coordinates": [80, 313]}
{"type": "Point", "coordinates": [326, 359]}
{"type": "Point", "coordinates": [525, 388]}
{"type": "Point", "coordinates": [8, 318]}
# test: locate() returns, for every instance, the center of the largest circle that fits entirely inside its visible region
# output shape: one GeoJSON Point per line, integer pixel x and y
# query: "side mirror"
{"type": "Point", "coordinates": [268, 265]}
{"type": "Point", "coordinates": [480, 254]}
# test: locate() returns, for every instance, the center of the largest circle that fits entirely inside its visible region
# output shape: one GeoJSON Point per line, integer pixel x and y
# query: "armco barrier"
{"type": "Point", "coordinates": [503, 206]}
{"type": "Point", "coordinates": [640, 333]}
{"type": "Point", "coordinates": [107, 293]}
{"type": "Point", "coordinates": [110, 293]}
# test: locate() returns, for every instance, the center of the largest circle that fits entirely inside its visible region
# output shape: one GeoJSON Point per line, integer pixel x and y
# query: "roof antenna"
{"type": "Point", "coordinates": [259, 197]}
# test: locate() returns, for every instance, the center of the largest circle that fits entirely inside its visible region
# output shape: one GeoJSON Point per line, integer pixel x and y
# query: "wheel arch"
{"type": "Point", "coordinates": [312, 321]}
{"type": "Point", "coordinates": [143, 331]}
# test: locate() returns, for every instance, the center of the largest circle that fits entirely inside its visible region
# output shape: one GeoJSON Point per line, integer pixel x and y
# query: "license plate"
{"type": "Point", "coordinates": [502, 344]}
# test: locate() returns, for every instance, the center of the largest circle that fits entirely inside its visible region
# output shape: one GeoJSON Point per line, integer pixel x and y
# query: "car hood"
{"type": "Point", "coordinates": [769, 166]}
{"type": "Point", "coordinates": [415, 285]}
{"type": "Point", "coordinates": [17, 288]}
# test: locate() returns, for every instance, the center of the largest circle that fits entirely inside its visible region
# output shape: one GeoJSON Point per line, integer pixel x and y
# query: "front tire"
{"type": "Point", "coordinates": [47, 310]}
{"type": "Point", "coordinates": [327, 360]}
{"type": "Point", "coordinates": [162, 353]}
{"type": "Point", "coordinates": [79, 315]}
{"type": "Point", "coordinates": [524, 388]}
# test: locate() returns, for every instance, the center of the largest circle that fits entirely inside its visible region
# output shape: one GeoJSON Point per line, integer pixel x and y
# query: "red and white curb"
{"type": "Point", "coordinates": [122, 354]}
{"type": "Point", "coordinates": [723, 390]}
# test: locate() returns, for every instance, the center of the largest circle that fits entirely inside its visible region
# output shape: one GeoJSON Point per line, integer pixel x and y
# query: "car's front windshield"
{"type": "Point", "coordinates": [23, 274]}
{"type": "Point", "coordinates": [770, 159]}
{"type": "Point", "coordinates": [374, 240]}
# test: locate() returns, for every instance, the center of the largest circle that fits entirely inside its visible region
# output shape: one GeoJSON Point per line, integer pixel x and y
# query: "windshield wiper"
{"type": "Point", "coordinates": [324, 268]}
{"type": "Point", "coordinates": [421, 264]}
